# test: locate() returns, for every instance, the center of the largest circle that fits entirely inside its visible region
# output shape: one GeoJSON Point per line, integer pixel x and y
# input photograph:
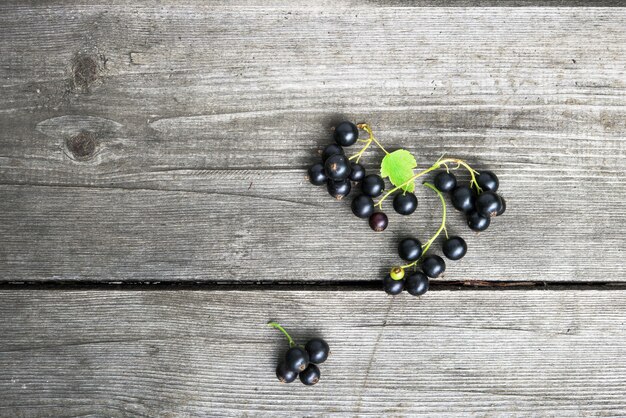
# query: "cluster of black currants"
{"type": "Point", "coordinates": [479, 204]}
{"type": "Point", "coordinates": [432, 266]}
{"type": "Point", "coordinates": [301, 361]}
{"type": "Point", "coordinates": [338, 172]}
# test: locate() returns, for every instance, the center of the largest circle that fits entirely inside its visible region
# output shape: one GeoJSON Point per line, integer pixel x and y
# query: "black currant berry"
{"type": "Point", "coordinates": [358, 172]}
{"type": "Point", "coordinates": [297, 359]}
{"type": "Point", "coordinates": [330, 150]}
{"type": "Point", "coordinates": [488, 181]}
{"type": "Point", "coordinates": [337, 167]}
{"type": "Point", "coordinates": [454, 248]}
{"type": "Point", "coordinates": [463, 199]}
{"type": "Point", "coordinates": [416, 284]}
{"type": "Point", "coordinates": [488, 204]}
{"type": "Point", "coordinates": [445, 182]}
{"type": "Point", "coordinates": [346, 134]}
{"type": "Point", "coordinates": [391, 286]}
{"type": "Point", "coordinates": [477, 222]}
{"type": "Point", "coordinates": [284, 374]}
{"type": "Point", "coordinates": [363, 206]}
{"type": "Point", "coordinates": [379, 221]}
{"type": "Point", "coordinates": [405, 203]}
{"type": "Point", "coordinates": [318, 350]}
{"type": "Point", "coordinates": [373, 185]}
{"type": "Point", "coordinates": [502, 207]}
{"type": "Point", "coordinates": [410, 249]}
{"type": "Point", "coordinates": [339, 189]}
{"type": "Point", "coordinates": [317, 176]}
{"type": "Point", "coordinates": [433, 266]}
{"type": "Point", "coordinates": [310, 375]}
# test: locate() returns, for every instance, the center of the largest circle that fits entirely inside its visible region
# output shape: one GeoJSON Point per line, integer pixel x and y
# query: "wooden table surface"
{"type": "Point", "coordinates": [154, 213]}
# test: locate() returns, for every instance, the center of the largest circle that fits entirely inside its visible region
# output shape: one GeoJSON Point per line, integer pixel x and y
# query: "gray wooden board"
{"type": "Point", "coordinates": [209, 353]}
{"type": "Point", "coordinates": [167, 142]}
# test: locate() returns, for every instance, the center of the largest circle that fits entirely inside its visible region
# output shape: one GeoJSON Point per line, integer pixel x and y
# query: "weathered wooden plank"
{"type": "Point", "coordinates": [190, 353]}
{"type": "Point", "coordinates": [198, 122]}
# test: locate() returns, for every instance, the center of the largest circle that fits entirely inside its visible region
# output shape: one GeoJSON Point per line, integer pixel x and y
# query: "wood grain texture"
{"type": "Point", "coordinates": [169, 142]}
{"type": "Point", "coordinates": [196, 353]}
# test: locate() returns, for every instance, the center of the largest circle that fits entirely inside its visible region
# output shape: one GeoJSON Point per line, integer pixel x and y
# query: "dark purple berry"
{"type": "Point", "coordinates": [405, 203]}
{"type": "Point", "coordinates": [379, 221]}
{"type": "Point", "coordinates": [362, 206]}
{"type": "Point", "coordinates": [445, 182]}
{"type": "Point", "coordinates": [358, 172]}
{"type": "Point", "coordinates": [454, 248]}
{"type": "Point", "coordinates": [297, 359]}
{"type": "Point", "coordinates": [317, 176]}
{"type": "Point", "coordinates": [433, 266]}
{"type": "Point", "coordinates": [463, 199]}
{"type": "Point", "coordinates": [330, 150]}
{"type": "Point", "coordinates": [318, 350]}
{"type": "Point", "coordinates": [488, 204]}
{"type": "Point", "coordinates": [477, 222]}
{"type": "Point", "coordinates": [346, 134]}
{"type": "Point", "coordinates": [337, 167]}
{"type": "Point", "coordinates": [310, 375]}
{"type": "Point", "coordinates": [391, 286]}
{"type": "Point", "coordinates": [373, 185]}
{"type": "Point", "coordinates": [339, 189]}
{"type": "Point", "coordinates": [284, 374]}
{"type": "Point", "coordinates": [417, 283]}
{"type": "Point", "coordinates": [488, 181]}
{"type": "Point", "coordinates": [410, 249]}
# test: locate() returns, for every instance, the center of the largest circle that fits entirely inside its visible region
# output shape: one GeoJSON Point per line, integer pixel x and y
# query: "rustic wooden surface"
{"type": "Point", "coordinates": [199, 353]}
{"type": "Point", "coordinates": [164, 142]}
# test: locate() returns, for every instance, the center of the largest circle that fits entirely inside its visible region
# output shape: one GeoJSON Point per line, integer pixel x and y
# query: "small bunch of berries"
{"type": "Point", "coordinates": [337, 171]}
{"type": "Point", "coordinates": [301, 361]}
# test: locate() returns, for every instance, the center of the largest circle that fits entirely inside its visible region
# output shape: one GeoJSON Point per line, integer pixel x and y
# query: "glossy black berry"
{"type": "Point", "coordinates": [463, 199]}
{"type": "Point", "coordinates": [378, 221]}
{"type": "Point", "coordinates": [331, 149]}
{"type": "Point", "coordinates": [405, 203]}
{"type": "Point", "coordinates": [391, 286]}
{"type": "Point", "coordinates": [317, 175]}
{"type": "Point", "coordinates": [477, 222]}
{"type": "Point", "coordinates": [318, 350]}
{"type": "Point", "coordinates": [339, 189]}
{"type": "Point", "coordinates": [417, 283]}
{"type": "Point", "coordinates": [433, 266]}
{"type": "Point", "coordinates": [445, 182]}
{"type": "Point", "coordinates": [285, 374]}
{"type": "Point", "coordinates": [346, 134]}
{"type": "Point", "coordinates": [373, 185]}
{"type": "Point", "coordinates": [362, 206]}
{"type": "Point", "coordinates": [410, 249]}
{"type": "Point", "coordinates": [358, 172]}
{"type": "Point", "coordinates": [454, 248]}
{"type": "Point", "coordinates": [310, 375]}
{"type": "Point", "coordinates": [502, 206]}
{"type": "Point", "coordinates": [488, 181]}
{"type": "Point", "coordinates": [337, 167]}
{"type": "Point", "coordinates": [488, 204]}
{"type": "Point", "coordinates": [297, 359]}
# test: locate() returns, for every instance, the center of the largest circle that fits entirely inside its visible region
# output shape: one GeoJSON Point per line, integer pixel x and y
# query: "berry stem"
{"type": "Point", "coordinates": [281, 329]}
{"type": "Point", "coordinates": [441, 229]}
{"type": "Point", "coordinates": [367, 141]}
{"type": "Point", "coordinates": [438, 164]}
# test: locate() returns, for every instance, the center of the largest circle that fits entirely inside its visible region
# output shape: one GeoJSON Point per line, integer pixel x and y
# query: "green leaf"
{"type": "Point", "coordinates": [398, 166]}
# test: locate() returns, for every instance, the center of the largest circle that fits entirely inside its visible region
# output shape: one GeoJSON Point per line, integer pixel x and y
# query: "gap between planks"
{"type": "Point", "coordinates": [354, 285]}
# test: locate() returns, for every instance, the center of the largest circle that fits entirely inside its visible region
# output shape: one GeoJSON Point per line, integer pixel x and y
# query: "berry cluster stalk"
{"type": "Point", "coordinates": [441, 229]}
{"type": "Point", "coordinates": [281, 329]}
{"type": "Point", "coordinates": [367, 141]}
